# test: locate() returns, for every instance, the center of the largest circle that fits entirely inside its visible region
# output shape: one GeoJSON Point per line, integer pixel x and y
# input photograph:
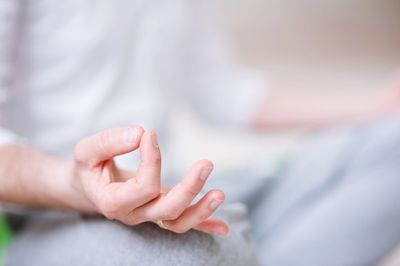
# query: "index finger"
{"type": "Point", "coordinates": [107, 144]}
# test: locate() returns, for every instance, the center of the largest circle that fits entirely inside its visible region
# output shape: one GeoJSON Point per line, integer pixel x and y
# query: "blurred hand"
{"type": "Point", "coordinates": [390, 100]}
{"type": "Point", "coordinates": [134, 198]}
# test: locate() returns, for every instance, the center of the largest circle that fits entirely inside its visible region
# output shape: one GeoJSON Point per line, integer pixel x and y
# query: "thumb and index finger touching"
{"type": "Point", "coordinates": [94, 150]}
{"type": "Point", "coordinates": [107, 144]}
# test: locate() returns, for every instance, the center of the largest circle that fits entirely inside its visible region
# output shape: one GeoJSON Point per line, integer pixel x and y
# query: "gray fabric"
{"type": "Point", "coordinates": [338, 204]}
{"type": "Point", "coordinates": [76, 241]}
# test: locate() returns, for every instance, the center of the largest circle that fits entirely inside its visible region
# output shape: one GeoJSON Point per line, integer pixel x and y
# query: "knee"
{"type": "Point", "coordinates": [101, 242]}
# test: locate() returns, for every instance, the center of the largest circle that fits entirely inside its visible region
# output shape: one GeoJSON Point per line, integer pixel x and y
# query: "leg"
{"type": "Point", "coordinates": [76, 241]}
{"type": "Point", "coordinates": [338, 205]}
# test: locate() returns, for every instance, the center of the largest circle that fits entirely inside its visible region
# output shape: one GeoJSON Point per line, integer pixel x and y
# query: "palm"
{"type": "Point", "coordinates": [134, 198]}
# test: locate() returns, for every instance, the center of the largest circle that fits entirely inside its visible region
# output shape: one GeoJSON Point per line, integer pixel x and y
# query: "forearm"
{"type": "Point", "coordinates": [31, 178]}
{"type": "Point", "coordinates": [92, 183]}
{"type": "Point", "coordinates": [307, 110]}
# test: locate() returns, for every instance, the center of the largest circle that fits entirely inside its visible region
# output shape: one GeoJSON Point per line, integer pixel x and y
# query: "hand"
{"type": "Point", "coordinates": [389, 102]}
{"type": "Point", "coordinates": [134, 198]}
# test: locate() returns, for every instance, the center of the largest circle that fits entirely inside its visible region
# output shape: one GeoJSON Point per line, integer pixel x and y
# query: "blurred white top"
{"type": "Point", "coordinates": [71, 68]}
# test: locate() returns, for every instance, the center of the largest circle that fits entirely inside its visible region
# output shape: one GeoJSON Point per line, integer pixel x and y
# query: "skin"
{"type": "Point", "coordinates": [285, 109]}
{"type": "Point", "coordinates": [92, 183]}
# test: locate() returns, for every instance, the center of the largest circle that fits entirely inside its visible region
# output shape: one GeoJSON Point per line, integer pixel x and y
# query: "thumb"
{"type": "Point", "coordinates": [107, 144]}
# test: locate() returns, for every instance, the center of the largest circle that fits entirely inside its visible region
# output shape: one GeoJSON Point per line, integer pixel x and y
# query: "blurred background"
{"type": "Point", "coordinates": [298, 45]}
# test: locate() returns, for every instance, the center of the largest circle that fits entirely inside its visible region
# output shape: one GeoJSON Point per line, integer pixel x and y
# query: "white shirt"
{"type": "Point", "coordinates": [71, 68]}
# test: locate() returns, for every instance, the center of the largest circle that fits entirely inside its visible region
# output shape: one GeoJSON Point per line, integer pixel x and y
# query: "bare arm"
{"type": "Point", "coordinates": [92, 183]}
{"type": "Point", "coordinates": [31, 178]}
{"type": "Point", "coordinates": [291, 109]}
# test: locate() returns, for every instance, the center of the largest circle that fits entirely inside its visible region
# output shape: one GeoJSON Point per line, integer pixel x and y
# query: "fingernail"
{"type": "Point", "coordinates": [218, 231]}
{"type": "Point", "coordinates": [215, 204]}
{"type": "Point", "coordinates": [131, 134]}
{"type": "Point", "coordinates": [205, 173]}
{"type": "Point", "coordinates": [221, 232]}
{"type": "Point", "coordinates": [154, 140]}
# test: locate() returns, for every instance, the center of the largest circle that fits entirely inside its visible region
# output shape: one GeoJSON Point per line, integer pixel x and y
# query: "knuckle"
{"type": "Point", "coordinates": [157, 157]}
{"type": "Point", "coordinates": [204, 214]}
{"type": "Point", "coordinates": [204, 163]}
{"type": "Point", "coordinates": [110, 215]}
{"type": "Point", "coordinates": [171, 214]}
{"type": "Point", "coordinates": [122, 197]}
{"type": "Point", "coordinates": [78, 150]}
{"type": "Point", "coordinates": [150, 191]}
{"type": "Point", "coordinates": [131, 220]}
{"type": "Point", "coordinates": [179, 229]}
{"type": "Point", "coordinates": [192, 192]}
{"type": "Point", "coordinates": [154, 159]}
{"type": "Point", "coordinates": [168, 216]}
{"type": "Point", "coordinates": [109, 209]}
{"type": "Point", "coordinates": [104, 140]}
{"type": "Point", "coordinates": [175, 214]}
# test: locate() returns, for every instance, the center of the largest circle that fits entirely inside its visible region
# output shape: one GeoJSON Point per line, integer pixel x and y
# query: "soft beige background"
{"type": "Point", "coordinates": [350, 45]}
{"type": "Point", "coordinates": [303, 44]}
{"type": "Point", "coordinates": [329, 43]}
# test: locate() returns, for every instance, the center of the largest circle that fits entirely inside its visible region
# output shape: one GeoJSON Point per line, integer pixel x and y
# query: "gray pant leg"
{"type": "Point", "coordinates": [339, 203]}
{"type": "Point", "coordinates": [77, 241]}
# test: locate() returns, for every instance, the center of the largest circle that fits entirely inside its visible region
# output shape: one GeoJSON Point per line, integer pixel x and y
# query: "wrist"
{"type": "Point", "coordinates": [32, 178]}
{"type": "Point", "coordinates": [62, 189]}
